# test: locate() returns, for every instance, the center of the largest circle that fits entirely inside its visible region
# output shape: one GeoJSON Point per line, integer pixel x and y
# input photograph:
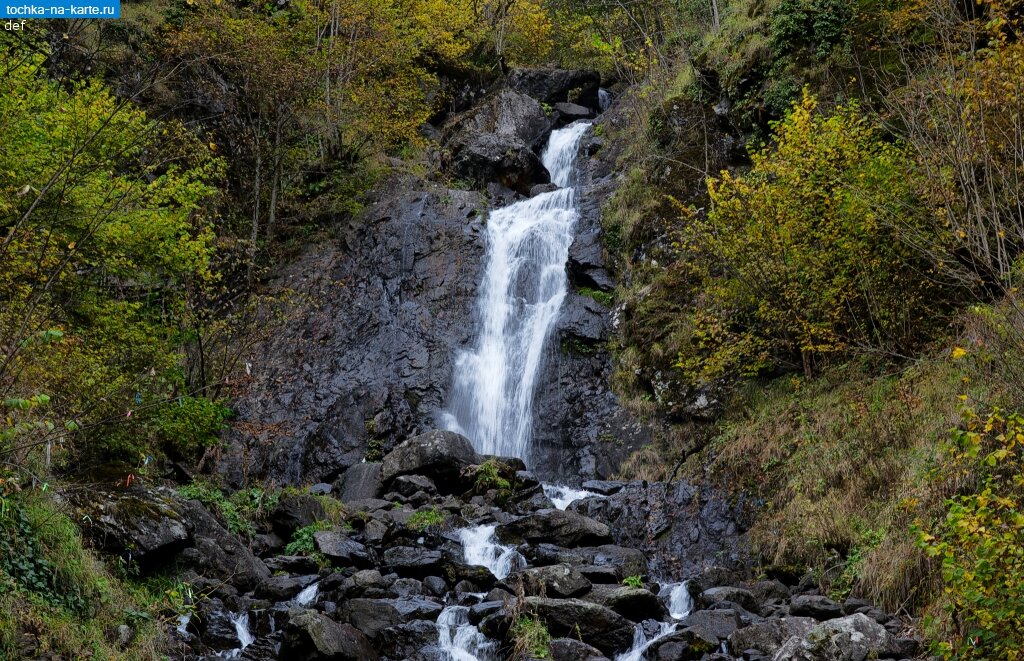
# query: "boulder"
{"type": "Point", "coordinates": [553, 86]}
{"type": "Point", "coordinates": [282, 588]}
{"type": "Point", "coordinates": [717, 624]}
{"type": "Point", "coordinates": [294, 512]}
{"type": "Point", "coordinates": [313, 636]}
{"type": "Point", "coordinates": [851, 638]}
{"type": "Point", "coordinates": [440, 455]}
{"type": "Point", "coordinates": [217, 554]}
{"type": "Point", "coordinates": [371, 616]}
{"type": "Point", "coordinates": [508, 113]}
{"type": "Point", "coordinates": [768, 636]}
{"type": "Point", "coordinates": [560, 527]}
{"type": "Point", "coordinates": [570, 112]}
{"type": "Point", "coordinates": [739, 596]}
{"type": "Point", "coordinates": [147, 524]}
{"type": "Point", "coordinates": [485, 157]}
{"type": "Point", "coordinates": [560, 581]}
{"type": "Point", "coordinates": [587, 268]}
{"type": "Point", "coordinates": [569, 649]}
{"type": "Point", "coordinates": [636, 604]}
{"type": "Point", "coordinates": [360, 482]}
{"type": "Point", "coordinates": [628, 562]}
{"type": "Point", "coordinates": [683, 645]}
{"type": "Point", "coordinates": [409, 485]}
{"type": "Point", "coordinates": [341, 550]}
{"type": "Point", "coordinates": [413, 561]}
{"type": "Point", "coordinates": [593, 624]}
{"type": "Point", "coordinates": [406, 641]}
{"type": "Point", "coordinates": [816, 606]}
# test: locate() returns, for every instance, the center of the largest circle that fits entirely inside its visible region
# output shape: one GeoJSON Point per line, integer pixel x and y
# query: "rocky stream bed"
{"type": "Point", "coordinates": [382, 585]}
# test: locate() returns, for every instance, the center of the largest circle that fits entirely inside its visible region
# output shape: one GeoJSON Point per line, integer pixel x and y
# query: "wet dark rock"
{"type": "Point", "coordinates": [267, 544]}
{"type": "Point", "coordinates": [313, 636]}
{"type": "Point", "coordinates": [436, 585]}
{"type": "Point", "coordinates": [559, 581]}
{"type": "Point", "coordinates": [729, 594]}
{"type": "Point", "coordinates": [217, 554]}
{"type": "Point", "coordinates": [408, 485]}
{"type": "Point", "coordinates": [371, 616]}
{"type": "Point", "coordinates": [360, 482]}
{"type": "Point", "coordinates": [683, 645]}
{"type": "Point", "coordinates": [294, 512]}
{"type": "Point", "coordinates": [407, 587]}
{"type": "Point", "coordinates": [559, 527]}
{"type": "Point", "coordinates": [601, 575]}
{"type": "Point", "coordinates": [582, 319]}
{"type": "Point", "coordinates": [553, 86]}
{"type": "Point", "coordinates": [603, 487]}
{"type": "Point", "coordinates": [414, 562]}
{"type": "Point", "coordinates": [571, 112]}
{"type": "Point", "coordinates": [478, 612]}
{"type": "Point", "coordinates": [341, 550]}
{"type": "Point", "coordinates": [679, 529]}
{"type": "Point", "coordinates": [588, 268]}
{"type": "Point", "coordinates": [594, 624]}
{"type": "Point", "coordinates": [543, 188]}
{"type": "Point", "coordinates": [713, 623]}
{"type": "Point", "coordinates": [820, 608]}
{"type": "Point", "coordinates": [408, 640]}
{"type": "Point", "coordinates": [636, 604]}
{"type": "Point", "coordinates": [213, 625]}
{"type": "Point", "coordinates": [282, 588]}
{"type": "Point", "coordinates": [292, 564]}
{"type": "Point", "coordinates": [443, 455]}
{"type": "Point", "coordinates": [568, 649]}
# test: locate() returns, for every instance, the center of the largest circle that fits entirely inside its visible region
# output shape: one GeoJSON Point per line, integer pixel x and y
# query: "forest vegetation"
{"type": "Point", "coordinates": [818, 231]}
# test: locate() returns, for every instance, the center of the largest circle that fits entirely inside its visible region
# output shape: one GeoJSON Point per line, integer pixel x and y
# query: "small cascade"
{"type": "Point", "coordinates": [479, 547]}
{"type": "Point", "coordinates": [183, 621]}
{"type": "Point", "coordinates": [520, 297]}
{"type": "Point", "coordinates": [680, 601]}
{"type": "Point", "coordinates": [245, 637]}
{"type": "Point", "coordinates": [460, 640]}
{"type": "Point", "coordinates": [308, 595]}
{"type": "Point", "coordinates": [562, 497]}
{"type": "Point", "coordinates": [604, 99]}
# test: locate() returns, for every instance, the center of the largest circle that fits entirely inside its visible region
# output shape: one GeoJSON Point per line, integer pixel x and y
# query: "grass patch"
{"type": "Point", "coordinates": [72, 609]}
{"type": "Point", "coordinates": [531, 638]}
{"type": "Point", "coordinates": [424, 519]}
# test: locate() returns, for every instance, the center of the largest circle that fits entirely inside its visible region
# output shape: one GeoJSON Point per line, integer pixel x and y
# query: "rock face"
{"type": "Point", "coordinates": [364, 359]}
{"type": "Point", "coordinates": [553, 86]}
{"type": "Point", "coordinates": [559, 527]}
{"type": "Point", "coordinates": [680, 529]}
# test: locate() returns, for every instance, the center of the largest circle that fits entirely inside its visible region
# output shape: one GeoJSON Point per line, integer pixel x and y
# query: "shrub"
{"type": "Point", "coordinates": [239, 511]}
{"type": "Point", "coordinates": [806, 259]}
{"type": "Point", "coordinates": [980, 544]}
{"type": "Point", "coordinates": [302, 539]}
{"type": "Point", "coordinates": [189, 425]}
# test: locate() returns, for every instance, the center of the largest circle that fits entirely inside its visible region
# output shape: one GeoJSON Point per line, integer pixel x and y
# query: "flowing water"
{"type": "Point", "coordinates": [308, 595]}
{"type": "Point", "coordinates": [460, 639]}
{"type": "Point", "coordinates": [520, 297]}
{"type": "Point", "coordinates": [562, 497]}
{"type": "Point", "coordinates": [680, 603]}
{"type": "Point", "coordinates": [479, 547]}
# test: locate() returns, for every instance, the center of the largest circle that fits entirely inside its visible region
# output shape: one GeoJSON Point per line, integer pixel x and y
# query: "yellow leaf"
{"type": "Point", "coordinates": [958, 353]}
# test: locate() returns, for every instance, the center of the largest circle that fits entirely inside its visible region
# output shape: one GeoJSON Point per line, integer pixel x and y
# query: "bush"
{"type": "Point", "coordinates": [981, 542]}
{"type": "Point", "coordinates": [806, 259]}
{"type": "Point", "coordinates": [302, 539]}
{"type": "Point", "coordinates": [189, 425]}
{"type": "Point", "coordinates": [239, 511]}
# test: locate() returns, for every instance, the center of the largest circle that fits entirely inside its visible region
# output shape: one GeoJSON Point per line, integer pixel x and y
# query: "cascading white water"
{"type": "Point", "coordinates": [308, 595]}
{"type": "Point", "coordinates": [460, 640]}
{"type": "Point", "coordinates": [522, 291]}
{"type": "Point", "coordinates": [680, 603]}
{"type": "Point", "coordinates": [479, 547]}
{"type": "Point", "coordinates": [562, 497]}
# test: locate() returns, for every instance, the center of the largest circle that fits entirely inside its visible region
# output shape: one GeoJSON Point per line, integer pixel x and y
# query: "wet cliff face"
{"type": "Point", "coordinates": [362, 357]}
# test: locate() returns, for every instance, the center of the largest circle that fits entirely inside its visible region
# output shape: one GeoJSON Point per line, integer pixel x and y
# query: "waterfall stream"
{"type": "Point", "coordinates": [522, 291]}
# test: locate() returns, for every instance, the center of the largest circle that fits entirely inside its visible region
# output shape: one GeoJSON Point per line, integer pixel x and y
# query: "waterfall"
{"type": "Point", "coordinates": [460, 640]}
{"type": "Point", "coordinates": [680, 603]}
{"type": "Point", "coordinates": [307, 596]}
{"type": "Point", "coordinates": [522, 291]}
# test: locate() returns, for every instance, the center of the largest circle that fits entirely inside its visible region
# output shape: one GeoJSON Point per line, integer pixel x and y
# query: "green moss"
{"type": "Point", "coordinates": [604, 298]}
{"type": "Point", "coordinates": [424, 519]}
